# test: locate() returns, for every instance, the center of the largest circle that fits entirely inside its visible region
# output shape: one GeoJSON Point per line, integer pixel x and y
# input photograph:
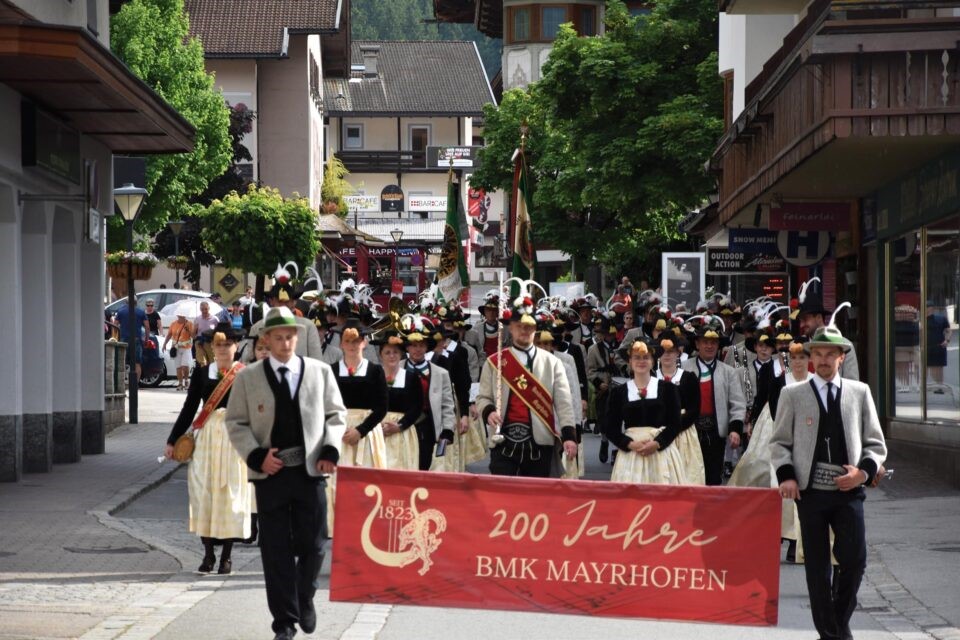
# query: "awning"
{"type": "Point", "coordinates": [67, 71]}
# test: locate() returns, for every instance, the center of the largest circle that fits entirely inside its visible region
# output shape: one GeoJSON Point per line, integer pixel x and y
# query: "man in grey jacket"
{"type": "Point", "coordinates": [722, 404]}
{"type": "Point", "coordinates": [826, 445]}
{"type": "Point", "coordinates": [286, 419]}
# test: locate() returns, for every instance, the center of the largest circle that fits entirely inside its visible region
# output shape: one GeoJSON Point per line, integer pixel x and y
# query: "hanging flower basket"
{"type": "Point", "coordinates": [178, 262]}
{"type": "Point", "coordinates": [123, 264]}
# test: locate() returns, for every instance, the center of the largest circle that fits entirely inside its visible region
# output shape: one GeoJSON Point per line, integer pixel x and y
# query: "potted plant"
{"type": "Point", "coordinates": [178, 262]}
{"type": "Point", "coordinates": [137, 263]}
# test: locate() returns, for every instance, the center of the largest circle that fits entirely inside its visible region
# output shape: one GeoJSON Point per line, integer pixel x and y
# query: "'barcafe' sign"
{"type": "Point", "coordinates": [597, 548]}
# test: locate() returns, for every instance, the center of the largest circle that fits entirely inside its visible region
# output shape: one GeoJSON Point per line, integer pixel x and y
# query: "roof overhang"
{"type": "Point", "coordinates": [403, 114]}
{"type": "Point", "coordinates": [68, 72]}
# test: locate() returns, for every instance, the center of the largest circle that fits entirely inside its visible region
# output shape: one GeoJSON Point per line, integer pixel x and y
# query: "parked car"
{"type": "Point", "coordinates": [156, 366]}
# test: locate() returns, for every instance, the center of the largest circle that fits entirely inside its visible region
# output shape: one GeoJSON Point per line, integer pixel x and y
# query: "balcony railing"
{"type": "Point", "coordinates": [386, 161]}
{"type": "Point", "coordinates": [842, 74]}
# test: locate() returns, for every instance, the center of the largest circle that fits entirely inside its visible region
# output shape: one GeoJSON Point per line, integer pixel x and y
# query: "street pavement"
{"type": "Point", "coordinates": [99, 549]}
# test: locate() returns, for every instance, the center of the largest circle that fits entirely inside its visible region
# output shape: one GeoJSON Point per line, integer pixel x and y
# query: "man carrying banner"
{"type": "Point", "coordinates": [286, 419]}
{"type": "Point", "coordinates": [535, 409]}
{"type": "Point", "coordinates": [827, 444]}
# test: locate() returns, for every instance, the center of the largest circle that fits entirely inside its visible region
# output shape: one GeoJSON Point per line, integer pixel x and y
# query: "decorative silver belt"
{"type": "Point", "coordinates": [292, 457]}
{"type": "Point", "coordinates": [824, 475]}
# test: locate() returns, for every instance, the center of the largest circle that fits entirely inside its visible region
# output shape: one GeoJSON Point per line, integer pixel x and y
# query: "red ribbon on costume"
{"type": "Point", "coordinates": [218, 393]}
{"type": "Point", "coordinates": [525, 386]}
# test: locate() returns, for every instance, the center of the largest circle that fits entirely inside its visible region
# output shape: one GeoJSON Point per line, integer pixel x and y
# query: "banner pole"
{"type": "Point", "coordinates": [497, 437]}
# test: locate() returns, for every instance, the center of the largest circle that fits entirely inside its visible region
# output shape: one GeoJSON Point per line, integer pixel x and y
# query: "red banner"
{"type": "Point", "coordinates": [599, 548]}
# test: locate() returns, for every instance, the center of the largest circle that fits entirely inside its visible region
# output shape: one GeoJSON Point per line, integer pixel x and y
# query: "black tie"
{"type": "Point", "coordinates": [833, 403]}
{"type": "Point", "coordinates": [284, 385]}
{"type": "Point", "coordinates": [529, 353]}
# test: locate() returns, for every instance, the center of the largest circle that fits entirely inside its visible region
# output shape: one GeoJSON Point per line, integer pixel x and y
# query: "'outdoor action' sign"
{"type": "Point", "coordinates": [532, 544]}
{"type": "Point", "coordinates": [726, 262]}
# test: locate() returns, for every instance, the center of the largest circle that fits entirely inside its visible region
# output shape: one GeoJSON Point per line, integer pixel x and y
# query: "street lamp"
{"type": "Point", "coordinates": [176, 226]}
{"type": "Point", "coordinates": [397, 235]}
{"type": "Point", "coordinates": [129, 201]}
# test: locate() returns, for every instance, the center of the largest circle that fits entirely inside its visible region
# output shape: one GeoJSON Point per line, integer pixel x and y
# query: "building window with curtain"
{"type": "Point", "coordinates": [520, 24]}
{"type": "Point", "coordinates": [588, 21]}
{"type": "Point", "coordinates": [552, 18]}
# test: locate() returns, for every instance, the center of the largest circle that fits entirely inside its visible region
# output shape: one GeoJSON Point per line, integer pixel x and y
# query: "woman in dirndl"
{"type": "Point", "coordinates": [363, 387]}
{"type": "Point", "coordinates": [643, 422]}
{"type": "Point", "coordinates": [669, 347]}
{"type": "Point", "coordinates": [404, 405]}
{"type": "Point", "coordinates": [220, 495]}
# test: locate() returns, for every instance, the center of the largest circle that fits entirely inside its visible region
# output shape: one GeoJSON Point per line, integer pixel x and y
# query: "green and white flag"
{"type": "Point", "coordinates": [452, 276]}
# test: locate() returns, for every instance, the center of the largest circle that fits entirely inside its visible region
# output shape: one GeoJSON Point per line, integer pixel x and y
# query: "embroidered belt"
{"type": "Point", "coordinates": [517, 432]}
{"type": "Point", "coordinates": [824, 475]}
{"type": "Point", "coordinates": [292, 457]}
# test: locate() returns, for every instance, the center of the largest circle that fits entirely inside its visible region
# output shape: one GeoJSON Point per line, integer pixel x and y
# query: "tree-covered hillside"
{"type": "Point", "coordinates": [405, 20]}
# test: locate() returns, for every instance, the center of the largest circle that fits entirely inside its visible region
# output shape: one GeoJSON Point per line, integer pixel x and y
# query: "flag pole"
{"type": "Point", "coordinates": [497, 437]}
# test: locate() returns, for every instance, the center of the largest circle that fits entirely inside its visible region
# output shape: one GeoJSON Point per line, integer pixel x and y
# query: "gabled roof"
{"type": "Point", "coordinates": [258, 28]}
{"type": "Point", "coordinates": [416, 78]}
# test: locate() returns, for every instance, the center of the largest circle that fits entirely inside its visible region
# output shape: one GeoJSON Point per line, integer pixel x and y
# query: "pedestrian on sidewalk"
{"type": "Point", "coordinates": [181, 333]}
{"type": "Point", "coordinates": [827, 444]}
{"type": "Point", "coordinates": [286, 419]}
{"type": "Point", "coordinates": [220, 494]}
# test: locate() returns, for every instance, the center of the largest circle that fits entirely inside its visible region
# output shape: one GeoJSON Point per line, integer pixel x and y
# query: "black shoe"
{"type": "Point", "coordinates": [604, 451]}
{"type": "Point", "coordinates": [226, 566]}
{"type": "Point", "coordinates": [207, 565]}
{"type": "Point", "coordinates": [285, 634]}
{"type": "Point", "coordinates": [308, 618]}
{"type": "Point", "coordinates": [792, 551]}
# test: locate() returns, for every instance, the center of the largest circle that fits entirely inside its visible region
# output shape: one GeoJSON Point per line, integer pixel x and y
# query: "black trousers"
{"type": "Point", "coordinates": [528, 459]}
{"type": "Point", "coordinates": [292, 510]}
{"type": "Point", "coordinates": [712, 446]}
{"type": "Point", "coordinates": [427, 441]}
{"type": "Point", "coordinates": [833, 591]}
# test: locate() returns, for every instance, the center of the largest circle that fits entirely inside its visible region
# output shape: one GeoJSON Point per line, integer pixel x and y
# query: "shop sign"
{"type": "Point", "coordinates": [811, 216]}
{"type": "Point", "coordinates": [427, 203]}
{"type": "Point", "coordinates": [376, 252]}
{"type": "Point", "coordinates": [362, 204]}
{"type": "Point", "coordinates": [49, 144]}
{"type": "Point", "coordinates": [722, 261]}
{"type": "Point", "coordinates": [923, 196]}
{"type": "Point", "coordinates": [391, 198]}
{"type": "Point", "coordinates": [760, 241]}
{"type": "Point", "coordinates": [550, 545]}
{"type": "Point", "coordinates": [462, 157]}
{"type": "Point", "coordinates": [803, 248]}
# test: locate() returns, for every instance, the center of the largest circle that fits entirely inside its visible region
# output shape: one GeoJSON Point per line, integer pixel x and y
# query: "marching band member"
{"type": "Point", "coordinates": [643, 422]}
{"type": "Point", "coordinates": [669, 349]}
{"type": "Point", "coordinates": [544, 339]}
{"type": "Point", "coordinates": [827, 444]}
{"type": "Point", "coordinates": [722, 405]}
{"type": "Point", "coordinates": [438, 417]}
{"type": "Point", "coordinates": [404, 404]}
{"type": "Point", "coordinates": [603, 363]}
{"type": "Point", "coordinates": [536, 411]}
{"type": "Point", "coordinates": [363, 387]}
{"type": "Point", "coordinates": [810, 316]}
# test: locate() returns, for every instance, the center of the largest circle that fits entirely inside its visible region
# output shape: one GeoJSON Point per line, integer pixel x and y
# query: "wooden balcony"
{"type": "Point", "coordinates": [849, 102]}
{"type": "Point", "coordinates": [386, 161]}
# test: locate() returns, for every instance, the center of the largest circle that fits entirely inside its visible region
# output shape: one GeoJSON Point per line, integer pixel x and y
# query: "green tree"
{"type": "Point", "coordinates": [152, 38]}
{"type": "Point", "coordinates": [335, 187]}
{"type": "Point", "coordinates": [620, 128]}
{"type": "Point", "coordinates": [260, 229]}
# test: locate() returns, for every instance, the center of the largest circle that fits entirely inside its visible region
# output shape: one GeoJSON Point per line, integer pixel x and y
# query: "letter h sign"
{"type": "Point", "coordinates": [803, 248]}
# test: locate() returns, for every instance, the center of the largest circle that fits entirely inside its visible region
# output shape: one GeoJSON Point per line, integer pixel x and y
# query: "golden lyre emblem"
{"type": "Point", "coordinates": [418, 538]}
{"type": "Point", "coordinates": [521, 382]}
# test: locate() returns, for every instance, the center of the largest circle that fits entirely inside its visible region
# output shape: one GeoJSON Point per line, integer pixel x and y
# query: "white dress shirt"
{"type": "Point", "coordinates": [821, 385]}
{"type": "Point", "coordinates": [293, 373]}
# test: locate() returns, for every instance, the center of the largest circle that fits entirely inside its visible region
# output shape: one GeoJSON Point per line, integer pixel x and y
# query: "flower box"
{"type": "Point", "coordinates": [120, 270]}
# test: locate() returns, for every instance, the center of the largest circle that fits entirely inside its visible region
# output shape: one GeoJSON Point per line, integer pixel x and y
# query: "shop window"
{"type": "Point", "coordinates": [552, 18]}
{"type": "Point", "coordinates": [941, 338]}
{"type": "Point", "coordinates": [521, 24]}
{"type": "Point", "coordinates": [907, 304]}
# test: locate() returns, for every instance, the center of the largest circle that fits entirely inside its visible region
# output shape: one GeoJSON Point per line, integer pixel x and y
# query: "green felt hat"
{"type": "Point", "coordinates": [278, 317]}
